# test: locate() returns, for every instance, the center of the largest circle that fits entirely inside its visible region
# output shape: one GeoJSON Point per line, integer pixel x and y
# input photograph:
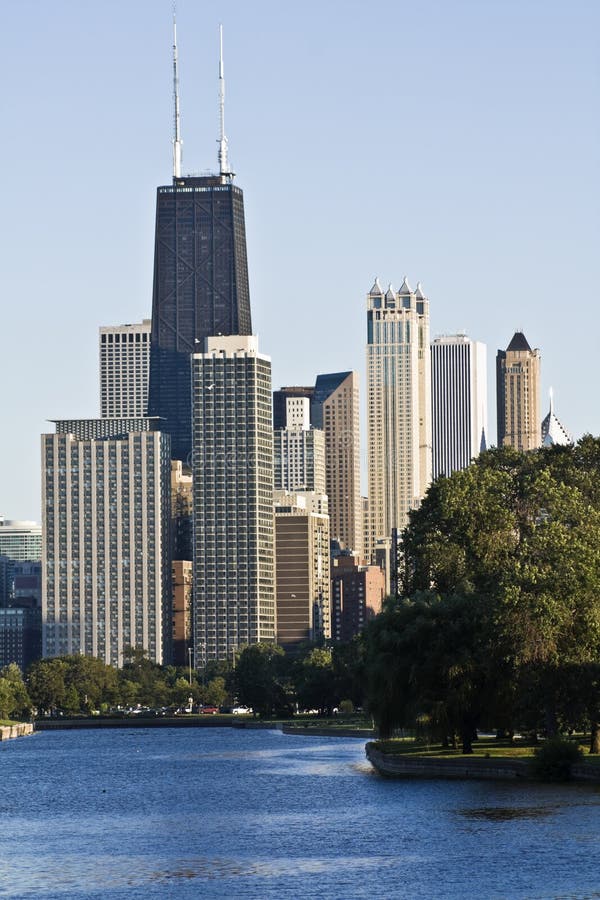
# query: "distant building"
{"type": "Point", "coordinates": [181, 511]}
{"type": "Point", "coordinates": [182, 612]}
{"type": "Point", "coordinates": [20, 540]}
{"type": "Point", "coordinates": [335, 409]}
{"type": "Point", "coordinates": [458, 402]}
{"type": "Point", "coordinates": [553, 431]}
{"type": "Point", "coordinates": [232, 469]}
{"type": "Point", "coordinates": [124, 370]}
{"type": "Point", "coordinates": [357, 594]}
{"type": "Point", "coordinates": [518, 395]}
{"type": "Point", "coordinates": [280, 406]}
{"type": "Point", "coordinates": [298, 451]}
{"type": "Point", "coordinates": [20, 635]}
{"type": "Point", "coordinates": [106, 581]}
{"type": "Point", "coordinates": [398, 404]}
{"type": "Point", "coordinates": [302, 568]}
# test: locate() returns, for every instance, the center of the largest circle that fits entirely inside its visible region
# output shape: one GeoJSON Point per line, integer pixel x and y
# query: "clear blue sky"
{"type": "Point", "coordinates": [456, 142]}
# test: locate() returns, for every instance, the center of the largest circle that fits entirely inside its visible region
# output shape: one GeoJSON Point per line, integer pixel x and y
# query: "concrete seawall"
{"type": "Point", "coordinates": [13, 731]}
{"type": "Point", "coordinates": [474, 767]}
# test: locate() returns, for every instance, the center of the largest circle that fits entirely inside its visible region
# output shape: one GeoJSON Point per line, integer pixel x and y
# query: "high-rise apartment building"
{"type": "Point", "coordinates": [518, 395]}
{"type": "Point", "coordinates": [201, 283]}
{"type": "Point", "coordinates": [20, 540]}
{"type": "Point", "coordinates": [357, 594]}
{"type": "Point", "coordinates": [232, 470]}
{"type": "Point", "coordinates": [298, 451]}
{"type": "Point", "coordinates": [124, 370]}
{"type": "Point", "coordinates": [335, 409]}
{"type": "Point", "coordinates": [106, 574]}
{"type": "Point", "coordinates": [182, 612]}
{"type": "Point", "coordinates": [458, 402]}
{"type": "Point", "coordinates": [302, 568]}
{"type": "Point", "coordinates": [398, 404]}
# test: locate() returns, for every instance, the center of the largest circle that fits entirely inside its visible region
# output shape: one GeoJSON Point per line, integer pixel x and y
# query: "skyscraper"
{"type": "Point", "coordinates": [20, 540]}
{"type": "Point", "coordinates": [458, 402]}
{"type": "Point", "coordinates": [553, 431]}
{"type": "Point", "coordinates": [124, 370]}
{"type": "Point", "coordinates": [280, 398]}
{"type": "Point", "coordinates": [106, 576]}
{"type": "Point", "coordinates": [335, 409]}
{"type": "Point", "coordinates": [200, 278]}
{"type": "Point", "coordinates": [398, 404]}
{"type": "Point", "coordinates": [518, 395]}
{"type": "Point", "coordinates": [298, 451]}
{"type": "Point", "coordinates": [232, 470]}
{"type": "Point", "coordinates": [302, 567]}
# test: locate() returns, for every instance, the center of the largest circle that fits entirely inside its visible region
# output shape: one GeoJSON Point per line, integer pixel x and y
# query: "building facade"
{"type": "Point", "coordinates": [124, 370]}
{"type": "Point", "coordinates": [336, 409]}
{"type": "Point", "coordinates": [182, 612]}
{"type": "Point", "coordinates": [458, 402]}
{"type": "Point", "coordinates": [518, 385]}
{"type": "Point", "coordinates": [302, 568]}
{"type": "Point", "coordinates": [232, 470]}
{"type": "Point", "coordinates": [280, 402]}
{"type": "Point", "coordinates": [200, 289]}
{"type": "Point", "coordinates": [106, 575]}
{"type": "Point", "coordinates": [298, 451]}
{"type": "Point", "coordinates": [357, 594]}
{"type": "Point", "coordinates": [398, 404]}
{"type": "Point", "coordinates": [20, 540]}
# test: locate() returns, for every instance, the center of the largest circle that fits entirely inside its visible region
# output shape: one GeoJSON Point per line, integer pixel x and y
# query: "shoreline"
{"type": "Point", "coordinates": [216, 721]}
{"type": "Point", "coordinates": [21, 729]}
{"type": "Point", "coordinates": [465, 768]}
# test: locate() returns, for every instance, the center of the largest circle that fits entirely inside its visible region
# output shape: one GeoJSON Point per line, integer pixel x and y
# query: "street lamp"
{"type": "Point", "coordinates": [190, 664]}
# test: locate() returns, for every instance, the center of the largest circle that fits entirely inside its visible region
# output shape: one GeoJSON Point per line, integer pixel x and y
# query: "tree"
{"type": "Point", "coordinates": [511, 549]}
{"type": "Point", "coordinates": [46, 683]}
{"type": "Point", "coordinates": [22, 701]}
{"type": "Point", "coordinates": [315, 682]}
{"type": "Point", "coordinates": [258, 678]}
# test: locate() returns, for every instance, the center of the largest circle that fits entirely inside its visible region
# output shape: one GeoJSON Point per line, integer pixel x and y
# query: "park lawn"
{"type": "Point", "coordinates": [486, 747]}
{"type": "Point", "coordinates": [8, 722]}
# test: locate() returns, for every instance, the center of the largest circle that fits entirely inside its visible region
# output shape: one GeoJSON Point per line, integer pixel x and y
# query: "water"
{"type": "Point", "coordinates": [161, 813]}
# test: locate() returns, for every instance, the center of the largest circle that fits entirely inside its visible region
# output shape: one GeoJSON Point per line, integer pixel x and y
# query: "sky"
{"type": "Point", "coordinates": [453, 141]}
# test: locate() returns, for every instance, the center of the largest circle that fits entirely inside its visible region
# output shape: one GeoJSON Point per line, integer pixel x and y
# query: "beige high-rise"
{"type": "Point", "coordinates": [398, 404]}
{"type": "Point", "coordinates": [518, 395]}
{"type": "Point", "coordinates": [335, 409]}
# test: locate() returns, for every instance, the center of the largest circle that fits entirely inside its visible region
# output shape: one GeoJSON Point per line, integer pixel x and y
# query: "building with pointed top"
{"type": "Point", "coordinates": [398, 405]}
{"type": "Point", "coordinates": [201, 284]}
{"type": "Point", "coordinates": [518, 375]}
{"type": "Point", "coordinates": [553, 431]}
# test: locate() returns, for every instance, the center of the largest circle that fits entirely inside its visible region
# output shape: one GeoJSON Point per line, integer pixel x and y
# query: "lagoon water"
{"type": "Point", "coordinates": [217, 812]}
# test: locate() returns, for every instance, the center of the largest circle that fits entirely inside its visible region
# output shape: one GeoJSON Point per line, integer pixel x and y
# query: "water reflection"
{"type": "Point", "coordinates": [507, 813]}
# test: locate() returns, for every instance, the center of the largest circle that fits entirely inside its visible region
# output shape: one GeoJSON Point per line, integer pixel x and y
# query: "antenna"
{"type": "Point", "coordinates": [222, 141]}
{"type": "Point", "coordinates": [177, 142]}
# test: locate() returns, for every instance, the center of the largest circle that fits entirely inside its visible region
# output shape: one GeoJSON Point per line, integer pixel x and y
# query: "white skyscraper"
{"type": "Point", "coordinates": [398, 404]}
{"type": "Point", "coordinates": [106, 576]}
{"type": "Point", "coordinates": [232, 468]}
{"type": "Point", "coordinates": [299, 450]}
{"type": "Point", "coordinates": [124, 368]}
{"type": "Point", "coordinates": [458, 402]}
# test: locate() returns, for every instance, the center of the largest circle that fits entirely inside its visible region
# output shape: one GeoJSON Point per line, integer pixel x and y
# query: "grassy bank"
{"type": "Point", "coordinates": [489, 748]}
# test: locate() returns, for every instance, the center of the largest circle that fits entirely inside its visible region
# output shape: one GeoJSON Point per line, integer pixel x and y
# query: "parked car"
{"type": "Point", "coordinates": [209, 710]}
{"type": "Point", "coordinates": [241, 711]}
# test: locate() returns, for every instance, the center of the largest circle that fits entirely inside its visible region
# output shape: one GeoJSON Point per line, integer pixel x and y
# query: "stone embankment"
{"type": "Point", "coordinates": [394, 765]}
{"type": "Point", "coordinates": [13, 731]}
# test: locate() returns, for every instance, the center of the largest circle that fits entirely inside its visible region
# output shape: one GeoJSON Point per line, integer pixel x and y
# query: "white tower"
{"type": "Point", "coordinates": [398, 404]}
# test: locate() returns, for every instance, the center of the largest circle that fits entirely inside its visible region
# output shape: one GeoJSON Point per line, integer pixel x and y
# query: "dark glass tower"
{"type": "Point", "coordinates": [200, 289]}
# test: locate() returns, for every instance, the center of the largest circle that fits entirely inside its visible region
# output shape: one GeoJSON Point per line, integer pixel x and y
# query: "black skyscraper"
{"type": "Point", "coordinates": [200, 279]}
{"type": "Point", "coordinates": [200, 289]}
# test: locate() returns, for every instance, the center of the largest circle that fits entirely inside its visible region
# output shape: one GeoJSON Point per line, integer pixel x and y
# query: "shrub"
{"type": "Point", "coordinates": [553, 760]}
{"type": "Point", "coordinates": [346, 706]}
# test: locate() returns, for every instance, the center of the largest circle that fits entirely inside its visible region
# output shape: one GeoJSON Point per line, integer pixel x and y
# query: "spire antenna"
{"type": "Point", "coordinates": [224, 167]}
{"type": "Point", "coordinates": [177, 142]}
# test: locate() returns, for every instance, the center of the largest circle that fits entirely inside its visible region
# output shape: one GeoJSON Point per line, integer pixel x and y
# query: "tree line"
{"type": "Point", "coordinates": [497, 621]}
{"type": "Point", "coordinates": [263, 677]}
